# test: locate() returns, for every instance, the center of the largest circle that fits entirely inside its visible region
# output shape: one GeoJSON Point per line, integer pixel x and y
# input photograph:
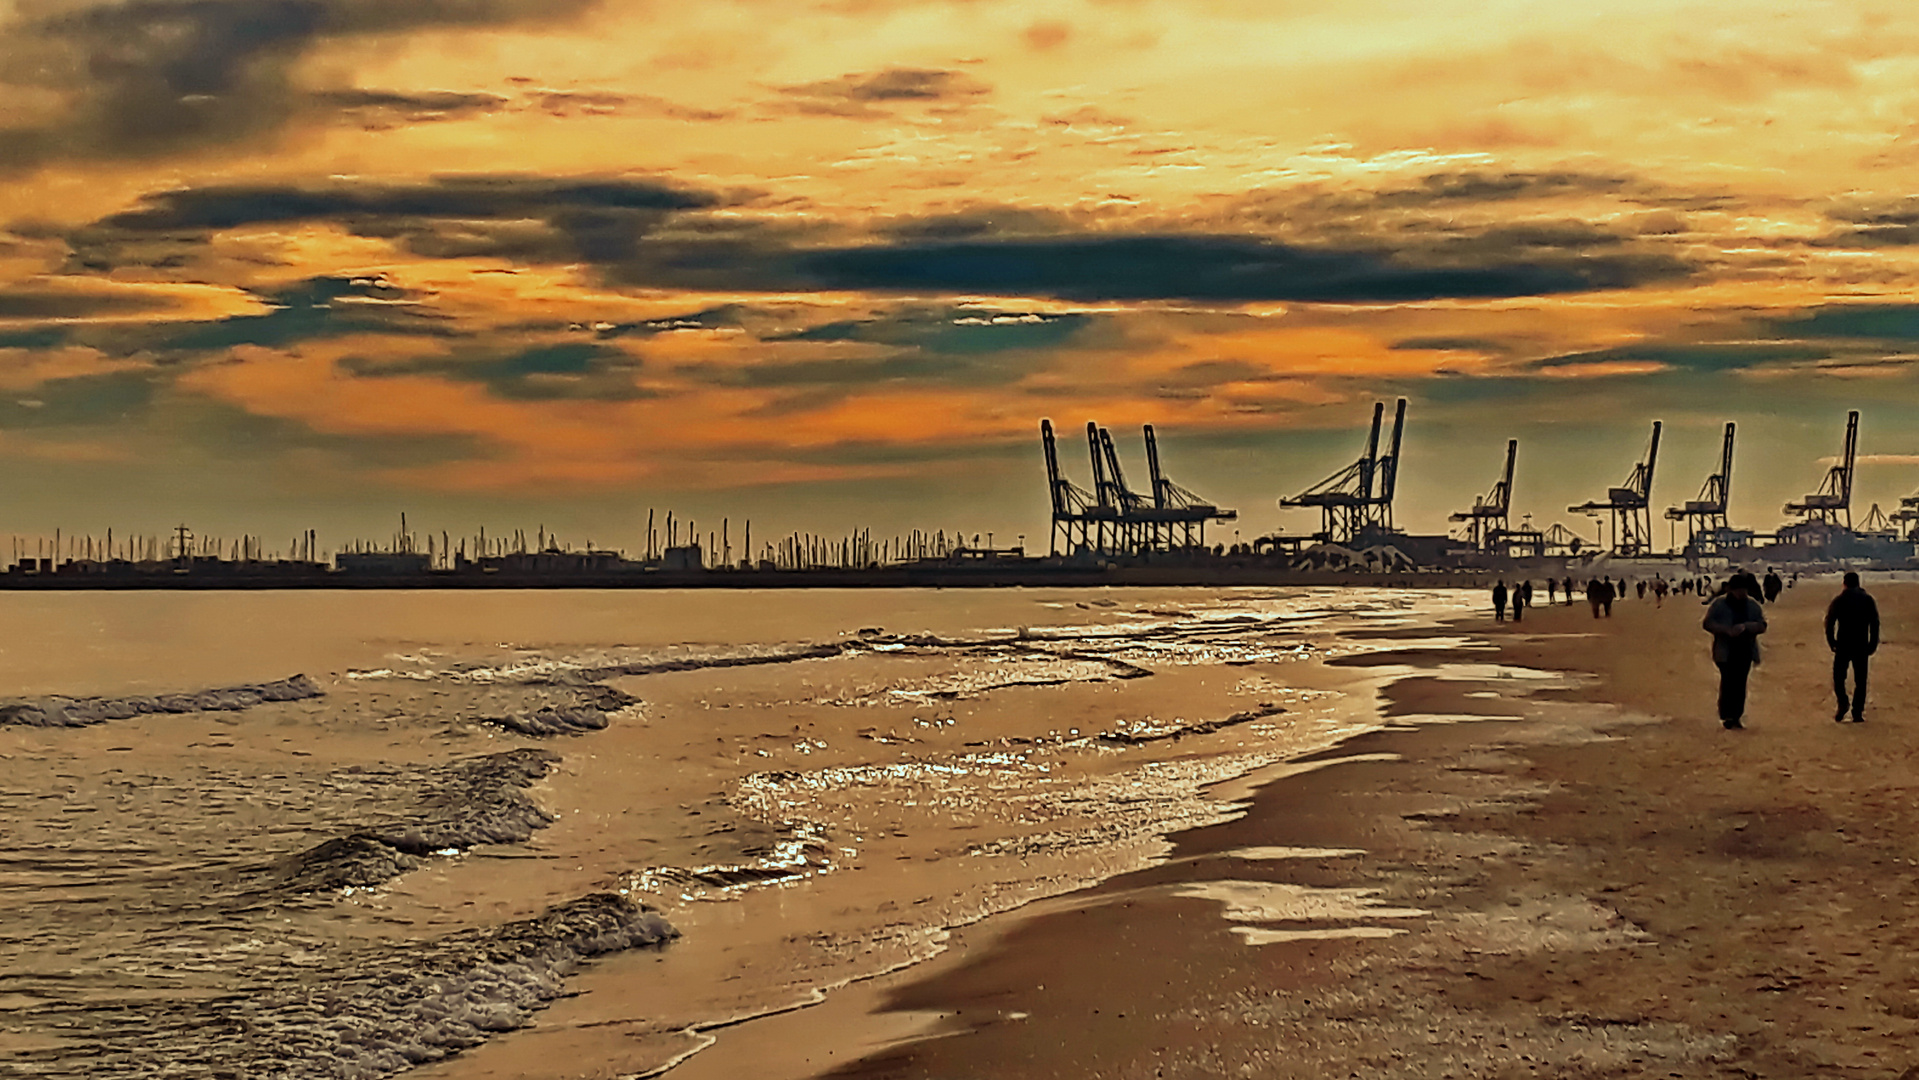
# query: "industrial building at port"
{"type": "Point", "coordinates": [1107, 528]}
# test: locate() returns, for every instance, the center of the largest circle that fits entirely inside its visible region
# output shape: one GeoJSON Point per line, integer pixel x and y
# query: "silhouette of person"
{"type": "Point", "coordinates": [1527, 588]}
{"type": "Point", "coordinates": [1735, 622]}
{"type": "Point", "coordinates": [1595, 595]}
{"type": "Point", "coordinates": [1569, 591]}
{"type": "Point", "coordinates": [1519, 601]}
{"type": "Point", "coordinates": [1773, 585]}
{"type": "Point", "coordinates": [1659, 588]}
{"type": "Point", "coordinates": [1499, 601]}
{"type": "Point", "coordinates": [1552, 590]}
{"type": "Point", "coordinates": [1852, 632]}
{"type": "Point", "coordinates": [1639, 588]}
{"type": "Point", "coordinates": [1607, 594]}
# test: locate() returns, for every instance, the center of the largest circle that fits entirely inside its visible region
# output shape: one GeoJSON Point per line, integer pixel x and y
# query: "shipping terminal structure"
{"type": "Point", "coordinates": [1105, 527]}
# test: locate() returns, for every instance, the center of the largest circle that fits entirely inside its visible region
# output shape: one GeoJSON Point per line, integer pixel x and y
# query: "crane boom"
{"type": "Point", "coordinates": [1152, 465]}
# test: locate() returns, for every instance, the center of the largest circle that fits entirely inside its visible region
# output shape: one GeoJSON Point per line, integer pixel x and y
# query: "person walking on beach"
{"type": "Point", "coordinates": [1552, 590]}
{"type": "Point", "coordinates": [1735, 622]}
{"type": "Point", "coordinates": [1567, 588]}
{"type": "Point", "coordinates": [1852, 632]}
{"type": "Point", "coordinates": [1499, 602]}
{"type": "Point", "coordinates": [1659, 592]}
{"type": "Point", "coordinates": [1519, 601]}
{"type": "Point", "coordinates": [1594, 596]}
{"type": "Point", "coordinates": [1608, 592]}
{"type": "Point", "coordinates": [1527, 588]}
{"type": "Point", "coordinates": [1773, 586]}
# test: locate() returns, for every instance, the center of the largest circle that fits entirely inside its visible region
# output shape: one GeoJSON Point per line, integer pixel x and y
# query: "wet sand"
{"type": "Point", "coordinates": [1556, 865]}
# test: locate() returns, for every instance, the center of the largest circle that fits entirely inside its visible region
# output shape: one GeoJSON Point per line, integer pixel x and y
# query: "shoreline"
{"type": "Point", "coordinates": [960, 886]}
{"type": "Point", "coordinates": [1578, 874]}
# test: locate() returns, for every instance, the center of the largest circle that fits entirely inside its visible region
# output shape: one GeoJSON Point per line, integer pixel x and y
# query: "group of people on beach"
{"type": "Point", "coordinates": [1600, 592]}
{"type": "Point", "coordinates": [1736, 617]}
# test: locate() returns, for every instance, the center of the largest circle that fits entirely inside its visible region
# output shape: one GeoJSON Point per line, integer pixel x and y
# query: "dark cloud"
{"type": "Point", "coordinates": [311, 310]}
{"type": "Point", "coordinates": [1482, 186]}
{"type": "Point", "coordinates": [1892, 223]}
{"type": "Point", "coordinates": [152, 77]}
{"type": "Point", "coordinates": [308, 310]}
{"type": "Point", "coordinates": [1877, 322]}
{"type": "Point", "coordinates": [529, 219]}
{"type": "Point", "coordinates": [723, 316]}
{"type": "Point", "coordinates": [861, 95]}
{"type": "Point", "coordinates": [979, 222]}
{"type": "Point", "coordinates": [951, 331]}
{"type": "Point", "coordinates": [603, 103]}
{"type": "Point", "coordinates": [384, 107]}
{"type": "Point", "coordinates": [554, 370]}
{"type": "Point", "coordinates": [653, 235]}
{"type": "Point", "coordinates": [466, 197]}
{"type": "Point", "coordinates": [1489, 346]}
{"type": "Point", "coordinates": [1708, 357]}
{"type": "Point", "coordinates": [31, 303]}
{"type": "Point", "coordinates": [1224, 269]}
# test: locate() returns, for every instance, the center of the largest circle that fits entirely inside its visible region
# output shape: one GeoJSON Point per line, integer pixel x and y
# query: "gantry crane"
{"type": "Point", "coordinates": [1113, 519]}
{"type": "Point", "coordinates": [1877, 525]}
{"type": "Point", "coordinates": [1070, 501]}
{"type": "Point", "coordinates": [1630, 504]}
{"type": "Point", "coordinates": [1832, 503]}
{"type": "Point", "coordinates": [1486, 522]}
{"type": "Point", "coordinates": [1706, 530]}
{"type": "Point", "coordinates": [1175, 509]}
{"type": "Point", "coordinates": [1907, 516]}
{"type": "Point", "coordinates": [1358, 500]}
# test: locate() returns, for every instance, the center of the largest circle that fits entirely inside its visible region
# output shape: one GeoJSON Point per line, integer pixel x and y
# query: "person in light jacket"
{"type": "Point", "coordinates": [1735, 621]}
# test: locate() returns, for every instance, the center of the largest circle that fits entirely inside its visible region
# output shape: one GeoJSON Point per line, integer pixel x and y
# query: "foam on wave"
{"type": "Point", "coordinates": [59, 711]}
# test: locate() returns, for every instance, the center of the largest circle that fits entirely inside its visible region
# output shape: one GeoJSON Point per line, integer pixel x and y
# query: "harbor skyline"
{"type": "Point", "coordinates": [267, 267]}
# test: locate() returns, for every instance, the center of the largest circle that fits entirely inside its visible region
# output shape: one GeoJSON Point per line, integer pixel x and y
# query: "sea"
{"type": "Point", "coordinates": [587, 833]}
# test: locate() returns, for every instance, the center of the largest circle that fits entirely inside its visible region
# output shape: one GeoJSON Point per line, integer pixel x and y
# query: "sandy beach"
{"type": "Point", "coordinates": [1588, 878]}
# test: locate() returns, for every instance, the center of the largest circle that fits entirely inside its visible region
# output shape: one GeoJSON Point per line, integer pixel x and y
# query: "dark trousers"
{"type": "Point", "coordinates": [1857, 661]}
{"type": "Point", "coordinates": [1732, 688]}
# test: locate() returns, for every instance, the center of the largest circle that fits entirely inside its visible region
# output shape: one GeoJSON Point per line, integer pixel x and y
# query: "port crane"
{"type": "Point", "coordinates": [1112, 518]}
{"type": "Point", "coordinates": [1706, 530]}
{"type": "Point", "coordinates": [1487, 521]}
{"type": "Point", "coordinates": [1630, 504]}
{"type": "Point", "coordinates": [1357, 501]}
{"type": "Point", "coordinates": [1832, 503]}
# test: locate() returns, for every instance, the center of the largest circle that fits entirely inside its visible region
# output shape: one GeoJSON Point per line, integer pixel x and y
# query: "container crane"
{"type": "Point", "coordinates": [1832, 503]}
{"type": "Point", "coordinates": [1629, 504]}
{"type": "Point", "coordinates": [1358, 499]}
{"type": "Point", "coordinates": [1706, 530]}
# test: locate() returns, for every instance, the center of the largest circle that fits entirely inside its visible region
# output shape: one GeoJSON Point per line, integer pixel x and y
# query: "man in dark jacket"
{"type": "Point", "coordinates": [1852, 632]}
{"type": "Point", "coordinates": [1735, 622]}
{"type": "Point", "coordinates": [1773, 585]}
{"type": "Point", "coordinates": [1499, 602]}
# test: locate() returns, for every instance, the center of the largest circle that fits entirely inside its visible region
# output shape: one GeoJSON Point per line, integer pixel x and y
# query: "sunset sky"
{"type": "Point", "coordinates": [268, 265]}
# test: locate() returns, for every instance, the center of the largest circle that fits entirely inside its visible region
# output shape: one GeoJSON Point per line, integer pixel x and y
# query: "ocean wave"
{"type": "Point", "coordinates": [59, 711]}
{"type": "Point", "coordinates": [475, 801]}
{"type": "Point", "coordinates": [586, 709]}
{"type": "Point", "coordinates": [364, 1014]}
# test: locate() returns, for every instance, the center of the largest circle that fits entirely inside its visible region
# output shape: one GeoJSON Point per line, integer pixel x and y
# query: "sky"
{"type": "Point", "coordinates": [271, 265]}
